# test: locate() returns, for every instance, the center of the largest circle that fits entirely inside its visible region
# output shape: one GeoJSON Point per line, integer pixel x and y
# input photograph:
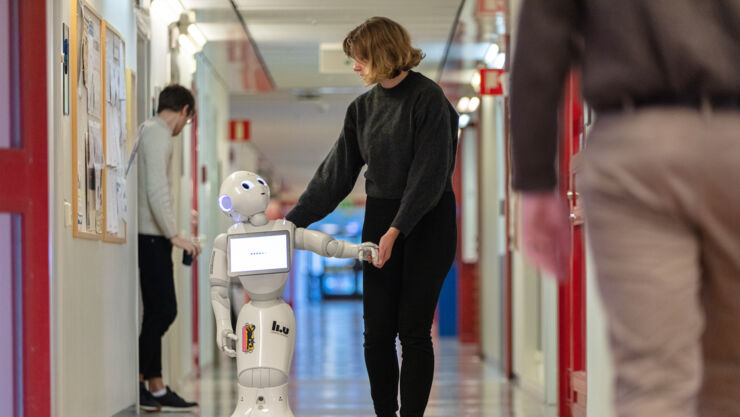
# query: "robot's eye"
{"type": "Point", "coordinates": [261, 181]}
{"type": "Point", "coordinates": [225, 202]}
{"type": "Point", "coordinates": [247, 185]}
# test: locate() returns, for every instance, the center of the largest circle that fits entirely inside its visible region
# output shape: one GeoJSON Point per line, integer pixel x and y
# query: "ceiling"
{"type": "Point", "coordinates": [288, 32]}
{"type": "Point", "coordinates": [292, 133]}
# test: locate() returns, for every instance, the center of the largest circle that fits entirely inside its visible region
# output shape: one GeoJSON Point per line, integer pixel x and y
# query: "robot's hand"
{"type": "Point", "coordinates": [368, 252]}
{"type": "Point", "coordinates": [227, 343]}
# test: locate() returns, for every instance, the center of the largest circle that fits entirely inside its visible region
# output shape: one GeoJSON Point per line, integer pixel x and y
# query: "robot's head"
{"type": "Point", "coordinates": [243, 194]}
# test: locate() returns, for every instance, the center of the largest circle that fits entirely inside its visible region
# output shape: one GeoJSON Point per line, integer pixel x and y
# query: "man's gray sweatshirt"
{"type": "Point", "coordinates": [407, 136]}
{"type": "Point", "coordinates": [156, 216]}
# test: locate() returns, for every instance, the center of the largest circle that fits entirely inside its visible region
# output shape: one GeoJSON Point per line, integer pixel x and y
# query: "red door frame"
{"type": "Point", "coordinates": [24, 190]}
{"type": "Point", "coordinates": [194, 232]}
{"type": "Point", "coordinates": [468, 315]}
{"type": "Point", "coordinates": [571, 291]}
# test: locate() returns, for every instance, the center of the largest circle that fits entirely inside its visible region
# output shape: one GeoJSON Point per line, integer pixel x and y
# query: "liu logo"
{"type": "Point", "coordinates": [276, 328]}
{"type": "Point", "coordinates": [248, 338]}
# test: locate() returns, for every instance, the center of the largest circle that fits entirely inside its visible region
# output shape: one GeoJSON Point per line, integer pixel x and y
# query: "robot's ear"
{"type": "Point", "coordinates": [225, 203]}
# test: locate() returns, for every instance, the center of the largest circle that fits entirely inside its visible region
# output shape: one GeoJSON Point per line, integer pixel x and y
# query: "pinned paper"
{"type": "Point", "coordinates": [113, 138]}
{"type": "Point", "coordinates": [96, 145]}
{"type": "Point", "coordinates": [111, 203]}
{"type": "Point", "coordinates": [121, 187]}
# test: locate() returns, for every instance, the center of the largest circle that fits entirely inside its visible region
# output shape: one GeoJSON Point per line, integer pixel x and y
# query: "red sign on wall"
{"type": "Point", "coordinates": [491, 83]}
{"type": "Point", "coordinates": [239, 130]}
{"type": "Point", "coordinates": [486, 7]}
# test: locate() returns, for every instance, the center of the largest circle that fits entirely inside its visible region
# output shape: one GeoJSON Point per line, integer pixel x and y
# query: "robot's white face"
{"type": "Point", "coordinates": [243, 194]}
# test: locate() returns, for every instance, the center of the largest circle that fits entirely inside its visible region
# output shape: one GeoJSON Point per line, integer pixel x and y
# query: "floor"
{"type": "Point", "coordinates": [329, 378]}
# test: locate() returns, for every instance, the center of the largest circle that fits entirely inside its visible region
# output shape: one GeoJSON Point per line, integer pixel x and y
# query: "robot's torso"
{"type": "Point", "coordinates": [265, 286]}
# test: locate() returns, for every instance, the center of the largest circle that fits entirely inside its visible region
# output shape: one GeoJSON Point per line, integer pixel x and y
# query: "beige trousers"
{"type": "Point", "coordinates": [661, 194]}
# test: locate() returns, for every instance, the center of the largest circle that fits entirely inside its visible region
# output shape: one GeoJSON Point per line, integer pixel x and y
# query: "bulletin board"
{"type": "Point", "coordinates": [115, 123]}
{"type": "Point", "coordinates": [100, 126]}
{"type": "Point", "coordinates": [87, 122]}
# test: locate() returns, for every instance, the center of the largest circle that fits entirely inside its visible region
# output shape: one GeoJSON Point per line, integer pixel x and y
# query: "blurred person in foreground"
{"type": "Point", "coordinates": [660, 185]}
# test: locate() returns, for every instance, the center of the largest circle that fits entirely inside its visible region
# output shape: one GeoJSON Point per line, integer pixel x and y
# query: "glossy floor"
{"type": "Point", "coordinates": [329, 378]}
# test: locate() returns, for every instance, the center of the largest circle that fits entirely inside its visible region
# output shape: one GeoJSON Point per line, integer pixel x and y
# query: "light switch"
{"type": "Point", "coordinates": [67, 214]}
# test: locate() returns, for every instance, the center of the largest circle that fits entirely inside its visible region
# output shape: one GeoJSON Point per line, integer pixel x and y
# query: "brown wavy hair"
{"type": "Point", "coordinates": [385, 46]}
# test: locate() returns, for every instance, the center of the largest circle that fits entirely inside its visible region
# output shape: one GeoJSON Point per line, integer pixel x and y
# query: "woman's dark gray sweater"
{"type": "Point", "coordinates": [407, 136]}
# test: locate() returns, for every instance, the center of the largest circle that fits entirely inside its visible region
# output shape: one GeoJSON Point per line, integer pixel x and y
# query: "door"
{"type": "Point", "coordinates": [24, 224]}
{"type": "Point", "coordinates": [572, 291]}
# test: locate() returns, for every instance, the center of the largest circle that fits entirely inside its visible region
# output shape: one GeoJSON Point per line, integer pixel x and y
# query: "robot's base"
{"type": "Point", "coordinates": [263, 402]}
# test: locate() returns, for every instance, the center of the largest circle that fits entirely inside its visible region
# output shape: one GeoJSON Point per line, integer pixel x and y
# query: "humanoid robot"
{"type": "Point", "coordinates": [259, 253]}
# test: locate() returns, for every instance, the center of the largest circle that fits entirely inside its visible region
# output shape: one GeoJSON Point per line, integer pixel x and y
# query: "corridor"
{"type": "Point", "coordinates": [329, 378]}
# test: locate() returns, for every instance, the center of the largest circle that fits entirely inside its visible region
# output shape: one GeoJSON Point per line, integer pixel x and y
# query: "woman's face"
{"type": "Point", "coordinates": [361, 68]}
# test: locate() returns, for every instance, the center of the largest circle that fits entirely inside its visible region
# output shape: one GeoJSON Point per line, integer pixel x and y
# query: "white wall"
{"type": "Point", "coordinates": [491, 226]}
{"type": "Point", "coordinates": [93, 284]}
{"type": "Point", "coordinates": [539, 370]}
{"type": "Point", "coordinates": [526, 298]}
{"type": "Point", "coordinates": [294, 134]}
{"type": "Point", "coordinates": [213, 113]}
{"type": "Point", "coordinates": [535, 322]}
{"type": "Point", "coordinates": [177, 344]}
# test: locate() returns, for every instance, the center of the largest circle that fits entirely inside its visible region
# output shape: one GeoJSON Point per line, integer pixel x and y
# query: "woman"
{"type": "Point", "coordinates": [405, 130]}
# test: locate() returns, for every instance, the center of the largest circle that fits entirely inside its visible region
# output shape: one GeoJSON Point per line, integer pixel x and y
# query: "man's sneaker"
{"type": "Point", "coordinates": [146, 400]}
{"type": "Point", "coordinates": [172, 402]}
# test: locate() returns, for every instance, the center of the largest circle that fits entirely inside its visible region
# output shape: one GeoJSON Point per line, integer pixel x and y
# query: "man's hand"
{"type": "Point", "coordinates": [386, 246]}
{"type": "Point", "coordinates": [546, 231]}
{"type": "Point", "coordinates": [190, 246]}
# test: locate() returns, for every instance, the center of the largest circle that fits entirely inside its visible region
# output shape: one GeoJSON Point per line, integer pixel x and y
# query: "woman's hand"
{"type": "Point", "coordinates": [386, 246]}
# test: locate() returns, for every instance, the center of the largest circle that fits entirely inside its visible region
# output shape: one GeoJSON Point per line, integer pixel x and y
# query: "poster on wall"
{"type": "Point", "coordinates": [115, 105]}
{"type": "Point", "coordinates": [87, 124]}
{"type": "Point", "coordinates": [99, 115]}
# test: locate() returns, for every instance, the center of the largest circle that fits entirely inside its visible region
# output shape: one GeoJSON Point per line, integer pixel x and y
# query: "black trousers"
{"type": "Point", "coordinates": [400, 300]}
{"type": "Point", "coordinates": [158, 296]}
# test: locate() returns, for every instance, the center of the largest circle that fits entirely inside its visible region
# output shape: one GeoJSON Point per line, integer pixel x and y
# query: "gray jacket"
{"type": "Point", "coordinates": [156, 216]}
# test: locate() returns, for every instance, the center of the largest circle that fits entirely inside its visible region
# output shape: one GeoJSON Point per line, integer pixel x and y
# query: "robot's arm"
{"type": "Point", "coordinates": [220, 295]}
{"type": "Point", "coordinates": [325, 245]}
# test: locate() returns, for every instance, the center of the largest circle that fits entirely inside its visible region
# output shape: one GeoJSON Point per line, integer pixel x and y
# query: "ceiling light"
{"type": "Point", "coordinates": [196, 35]}
{"type": "Point", "coordinates": [491, 54]}
{"type": "Point", "coordinates": [175, 6]}
{"type": "Point", "coordinates": [474, 103]}
{"type": "Point", "coordinates": [187, 44]}
{"type": "Point", "coordinates": [167, 10]}
{"type": "Point", "coordinates": [475, 81]}
{"type": "Point", "coordinates": [462, 104]}
{"type": "Point", "coordinates": [500, 61]}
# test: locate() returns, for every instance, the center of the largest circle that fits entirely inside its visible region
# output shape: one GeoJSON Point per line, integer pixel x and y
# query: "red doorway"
{"type": "Point", "coordinates": [572, 290]}
{"type": "Point", "coordinates": [24, 190]}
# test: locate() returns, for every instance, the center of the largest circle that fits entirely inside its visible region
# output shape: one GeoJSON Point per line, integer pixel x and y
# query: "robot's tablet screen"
{"type": "Point", "coordinates": [259, 253]}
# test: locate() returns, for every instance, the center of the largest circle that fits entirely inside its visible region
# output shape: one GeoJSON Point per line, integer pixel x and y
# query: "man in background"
{"type": "Point", "coordinates": [660, 184]}
{"type": "Point", "coordinates": [157, 235]}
